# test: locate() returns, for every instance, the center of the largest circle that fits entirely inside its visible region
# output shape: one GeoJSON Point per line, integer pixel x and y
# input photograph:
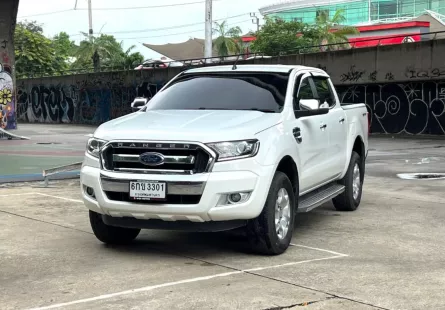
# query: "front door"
{"type": "Point", "coordinates": [311, 138]}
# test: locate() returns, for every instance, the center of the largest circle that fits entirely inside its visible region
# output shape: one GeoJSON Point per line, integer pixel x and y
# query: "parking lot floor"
{"type": "Point", "coordinates": [386, 255]}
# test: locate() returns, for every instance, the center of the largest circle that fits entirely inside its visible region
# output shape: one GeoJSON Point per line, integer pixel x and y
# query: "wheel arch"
{"type": "Point", "coordinates": [359, 148]}
{"type": "Point", "coordinates": [288, 166]}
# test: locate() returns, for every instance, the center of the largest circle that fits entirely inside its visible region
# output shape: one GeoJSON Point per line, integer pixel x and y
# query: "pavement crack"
{"type": "Point", "coordinates": [42, 221]}
{"type": "Point", "coordinates": [302, 304]}
{"type": "Point", "coordinates": [331, 295]}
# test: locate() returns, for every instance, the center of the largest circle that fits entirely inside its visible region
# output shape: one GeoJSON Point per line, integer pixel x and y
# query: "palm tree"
{"type": "Point", "coordinates": [97, 49]}
{"type": "Point", "coordinates": [228, 40]}
{"type": "Point", "coordinates": [328, 32]}
{"type": "Point", "coordinates": [126, 58]}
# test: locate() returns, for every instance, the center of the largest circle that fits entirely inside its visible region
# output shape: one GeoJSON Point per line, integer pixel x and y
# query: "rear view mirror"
{"type": "Point", "coordinates": [309, 104]}
{"type": "Point", "coordinates": [138, 104]}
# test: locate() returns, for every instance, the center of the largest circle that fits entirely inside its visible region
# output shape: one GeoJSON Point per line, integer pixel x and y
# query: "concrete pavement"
{"type": "Point", "coordinates": [386, 255]}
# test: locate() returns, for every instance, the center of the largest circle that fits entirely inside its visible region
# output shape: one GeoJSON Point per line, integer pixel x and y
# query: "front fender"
{"type": "Point", "coordinates": [275, 145]}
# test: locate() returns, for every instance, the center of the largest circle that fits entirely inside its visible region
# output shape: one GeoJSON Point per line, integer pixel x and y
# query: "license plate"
{"type": "Point", "coordinates": [148, 190]}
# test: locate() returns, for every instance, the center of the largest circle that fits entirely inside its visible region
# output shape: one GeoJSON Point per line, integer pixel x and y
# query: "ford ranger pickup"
{"type": "Point", "coordinates": [227, 147]}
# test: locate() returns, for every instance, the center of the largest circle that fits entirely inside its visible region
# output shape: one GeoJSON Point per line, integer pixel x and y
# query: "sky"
{"type": "Point", "coordinates": [135, 25]}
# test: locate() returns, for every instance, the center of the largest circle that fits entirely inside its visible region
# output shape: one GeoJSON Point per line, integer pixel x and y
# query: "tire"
{"type": "Point", "coordinates": [111, 234]}
{"type": "Point", "coordinates": [347, 201]}
{"type": "Point", "coordinates": [261, 232]}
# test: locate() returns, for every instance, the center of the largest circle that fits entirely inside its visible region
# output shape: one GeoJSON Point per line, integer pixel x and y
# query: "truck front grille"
{"type": "Point", "coordinates": [177, 158]}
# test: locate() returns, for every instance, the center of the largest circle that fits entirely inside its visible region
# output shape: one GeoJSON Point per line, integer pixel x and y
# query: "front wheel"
{"type": "Point", "coordinates": [350, 199]}
{"type": "Point", "coordinates": [111, 234]}
{"type": "Point", "coordinates": [271, 232]}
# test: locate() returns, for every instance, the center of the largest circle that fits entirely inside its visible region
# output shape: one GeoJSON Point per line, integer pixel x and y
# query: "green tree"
{"type": "Point", "coordinates": [64, 49]}
{"type": "Point", "coordinates": [329, 30]}
{"type": "Point", "coordinates": [34, 53]}
{"type": "Point", "coordinates": [126, 59]}
{"type": "Point", "coordinates": [280, 37]}
{"type": "Point", "coordinates": [31, 26]}
{"type": "Point", "coordinates": [228, 40]}
{"type": "Point", "coordinates": [96, 51]}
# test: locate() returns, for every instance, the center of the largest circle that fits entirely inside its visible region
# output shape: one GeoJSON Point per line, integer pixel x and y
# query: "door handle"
{"type": "Point", "coordinates": [323, 126]}
{"type": "Point", "coordinates": [297, 135]}
{"type": "Point", "coordinates": [341, 120]}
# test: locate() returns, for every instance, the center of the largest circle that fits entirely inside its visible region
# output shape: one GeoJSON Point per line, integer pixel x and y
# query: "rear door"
{"type": "Point", "coordinates": [311, 137]}
{"type": "Point", "coordinates": [336, 124]}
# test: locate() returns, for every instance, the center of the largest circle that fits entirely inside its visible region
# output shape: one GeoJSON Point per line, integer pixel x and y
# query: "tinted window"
{"type": "Point", "coordinates": [324, 91]}
{"type": "Point", "coordinates": [305, 91]}
{"type": "Point", "coordinates": [226, 91]}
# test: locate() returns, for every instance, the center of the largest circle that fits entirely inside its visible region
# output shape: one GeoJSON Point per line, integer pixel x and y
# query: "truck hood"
{"type": "Point", "coordinates": [188, 125]}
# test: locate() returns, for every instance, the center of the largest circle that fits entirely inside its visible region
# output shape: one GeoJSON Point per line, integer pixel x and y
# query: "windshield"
{"type": "Point", "coordinates": [224, 91]}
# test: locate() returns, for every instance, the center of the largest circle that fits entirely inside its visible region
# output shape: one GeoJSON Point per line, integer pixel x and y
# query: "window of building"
{"type": "Point", "coordinates": [387, 9]}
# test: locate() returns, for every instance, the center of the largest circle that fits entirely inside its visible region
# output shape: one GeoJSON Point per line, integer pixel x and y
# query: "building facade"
{"type": "Point", "coordinates": [356, 12]}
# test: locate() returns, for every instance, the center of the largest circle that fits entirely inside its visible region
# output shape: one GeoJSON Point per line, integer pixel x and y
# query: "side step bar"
{"type": "Point", "coordinates": [319, 196]}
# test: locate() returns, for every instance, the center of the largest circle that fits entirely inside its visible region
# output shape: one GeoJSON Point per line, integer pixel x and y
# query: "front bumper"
{"type": "Point", "coordinates": [209, 187]}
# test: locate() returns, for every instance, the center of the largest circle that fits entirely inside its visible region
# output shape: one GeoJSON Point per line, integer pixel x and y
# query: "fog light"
{"type": "Point", "coordinates": [234, 198]}
{"type": "Point", "coordinates": [90, 191]}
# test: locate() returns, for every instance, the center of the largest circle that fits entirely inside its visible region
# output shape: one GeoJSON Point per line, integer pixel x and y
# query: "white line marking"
{"type": "Point", "coordinates": [293, 263]}
{"type": "Point", "coordinates": [137, 290]}
{"type": "Point", "coordinates": [58, 197]}
{"type": "Point", "coordinates": [318, 249]}
{"type": "Point", "coordinates": [17, 194]}
{"type": "Point", "coordinates": [153, 287]}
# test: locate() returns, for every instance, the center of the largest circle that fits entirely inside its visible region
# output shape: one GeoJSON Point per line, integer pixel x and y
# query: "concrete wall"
{"type": "Point", "coordinates": [402, 85]}
{"type": "Point", "coordinates": [8, 14]}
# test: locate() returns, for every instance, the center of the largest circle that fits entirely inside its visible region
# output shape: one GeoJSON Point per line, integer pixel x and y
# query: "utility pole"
{"type": "Point", "coordinates": [208, 32]}
{"type": "Point", "coordinates": [90, 17]}
{"type": "Point", "coordinates": [255, 21]}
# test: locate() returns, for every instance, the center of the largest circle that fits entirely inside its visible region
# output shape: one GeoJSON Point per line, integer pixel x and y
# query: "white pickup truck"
{"type": "Point", "coordinates": [225, 147]}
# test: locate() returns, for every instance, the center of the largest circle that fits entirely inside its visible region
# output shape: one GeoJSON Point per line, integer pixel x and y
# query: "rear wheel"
{"type": "Point", "coordinates": [111, 234]}
{"type": "Point", "coordinates": [350, 199]}
{"type": "Point", "coordinates": [271, 232]}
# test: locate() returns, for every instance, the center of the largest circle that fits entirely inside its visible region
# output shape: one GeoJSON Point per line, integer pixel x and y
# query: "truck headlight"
{"type": "Point", "coordinates": [94, 146]}
{"type": "Point", "coordinates": [235, 149]}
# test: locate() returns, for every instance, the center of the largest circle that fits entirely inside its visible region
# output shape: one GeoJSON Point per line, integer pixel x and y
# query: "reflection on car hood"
{"type": "Point", "coordinates": [190, 125]}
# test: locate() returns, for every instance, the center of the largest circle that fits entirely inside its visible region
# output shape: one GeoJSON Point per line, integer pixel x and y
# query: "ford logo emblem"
{"type": "Point", "coordinates": [151, 159]}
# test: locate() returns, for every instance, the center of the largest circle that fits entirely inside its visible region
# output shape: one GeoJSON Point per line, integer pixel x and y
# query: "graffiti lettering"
{"type": "Point", "coordinates": [433, 73]}
{"type": "Point", "coordinates": [389, 76]}
{"type": "Point", "coordinates": [91, 101]}
{"type": "Point", "coordinates": [353, 75]}
{"type": "Point", "coordinates": [413, 108]}
{"type": "Point", "coordinates": [373, 76]}
{"type": "Point", "coordinates": [3, 43]}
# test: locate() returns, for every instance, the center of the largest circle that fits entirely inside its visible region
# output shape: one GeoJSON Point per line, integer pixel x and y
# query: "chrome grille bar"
{"type": "Point", "coordinates": [167, 159]}
{"type": "Point", "coordinates": [154, 171]}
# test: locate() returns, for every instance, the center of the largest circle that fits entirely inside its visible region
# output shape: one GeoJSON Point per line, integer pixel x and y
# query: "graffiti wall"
{"type": "Point", "coordinates": [7, 96]}
{"type": "Point", "coordinates": [82, 101]}
{"type": "Point", "coordinates": [410, 108]}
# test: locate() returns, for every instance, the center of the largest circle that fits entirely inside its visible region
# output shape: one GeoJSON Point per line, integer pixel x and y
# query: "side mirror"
{"type": "Point", "coordinates": [138, 104]}
{"type": "Point", "coordinates": [303, 113]}
{"type": "Point", "coordinates": [310, 104]}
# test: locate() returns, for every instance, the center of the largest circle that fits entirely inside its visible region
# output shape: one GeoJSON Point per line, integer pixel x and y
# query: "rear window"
{"type": "Point", "coordinates": [224, 91]}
